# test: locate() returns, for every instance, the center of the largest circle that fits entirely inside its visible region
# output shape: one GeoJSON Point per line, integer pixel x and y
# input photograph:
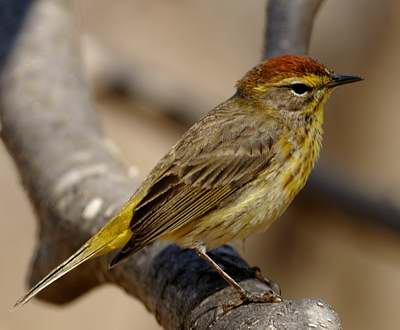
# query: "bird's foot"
{"type": "Point", "coordinates": [247, 297]}
{"type": "Point", "coordinates": [269, 296]}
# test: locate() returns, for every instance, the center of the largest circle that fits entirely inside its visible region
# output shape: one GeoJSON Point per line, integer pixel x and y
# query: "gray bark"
{"type": "Point", "coordinates": [75, 183]}
{"type": "Point", "coordinates": [289, 26]}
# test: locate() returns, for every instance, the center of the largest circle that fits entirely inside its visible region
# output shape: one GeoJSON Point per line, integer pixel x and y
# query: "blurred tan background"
{"type": "Point", "coordinates": [202, 48]}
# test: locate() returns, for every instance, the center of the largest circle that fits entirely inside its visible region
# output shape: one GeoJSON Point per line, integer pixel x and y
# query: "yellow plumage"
{"type": "Point", "coordinates": [232, 173]}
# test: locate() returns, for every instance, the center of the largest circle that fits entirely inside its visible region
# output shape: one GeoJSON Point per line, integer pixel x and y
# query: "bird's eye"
{"type": "Point", "coordinates": [300, 89]}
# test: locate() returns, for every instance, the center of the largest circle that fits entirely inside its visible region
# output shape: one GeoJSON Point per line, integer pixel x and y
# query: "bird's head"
{"type": "Point", "coordinates": [291, 83]}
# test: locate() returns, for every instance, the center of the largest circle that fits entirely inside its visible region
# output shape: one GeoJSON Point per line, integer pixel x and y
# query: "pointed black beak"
{"type": "Point", "coordinates": [342, 79]}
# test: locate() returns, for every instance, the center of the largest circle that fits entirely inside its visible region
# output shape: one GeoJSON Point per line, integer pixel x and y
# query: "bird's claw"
{"type": "Point", "coordinates": [269, 296]}
{"type": "Point", "coordinates": [254, 298]}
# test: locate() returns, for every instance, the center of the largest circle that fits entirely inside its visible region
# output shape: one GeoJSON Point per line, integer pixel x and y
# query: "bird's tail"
{"type": "Point", "coordinates": [112, 236]}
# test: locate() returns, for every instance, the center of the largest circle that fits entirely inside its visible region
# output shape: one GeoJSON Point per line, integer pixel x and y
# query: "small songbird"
{"type": "Point", "coordinates": [231, 174]}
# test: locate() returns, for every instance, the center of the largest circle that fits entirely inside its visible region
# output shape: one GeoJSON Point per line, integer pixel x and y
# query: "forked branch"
{"type": "Point", "coordinates": [75, 183]}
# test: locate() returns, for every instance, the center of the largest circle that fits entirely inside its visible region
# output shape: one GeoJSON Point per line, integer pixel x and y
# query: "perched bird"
{"type": "Point", "coordinates": [231, 174]}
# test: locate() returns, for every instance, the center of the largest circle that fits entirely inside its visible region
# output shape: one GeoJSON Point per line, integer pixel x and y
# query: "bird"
{"type": "Point", "coordinates": [233, 173]}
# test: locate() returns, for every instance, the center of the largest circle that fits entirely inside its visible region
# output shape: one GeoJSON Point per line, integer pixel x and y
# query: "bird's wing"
{"type": "Point", "coordinates": [212, 161]}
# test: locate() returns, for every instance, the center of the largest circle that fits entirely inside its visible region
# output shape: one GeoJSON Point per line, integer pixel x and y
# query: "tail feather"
{"type": "Point", "coordinates": [112, 236]}
{"type": "Point", "coordinates": [82, 255]}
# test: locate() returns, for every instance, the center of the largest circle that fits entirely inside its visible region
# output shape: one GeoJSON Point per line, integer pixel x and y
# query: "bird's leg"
{"type": "Point", "coordinates": [245, 296]}
{"type": "Point", "coordinates": [257, 272]}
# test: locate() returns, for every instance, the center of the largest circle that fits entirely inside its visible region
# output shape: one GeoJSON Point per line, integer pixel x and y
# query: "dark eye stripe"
{"type": "Point", "coordinates": [300, 89]}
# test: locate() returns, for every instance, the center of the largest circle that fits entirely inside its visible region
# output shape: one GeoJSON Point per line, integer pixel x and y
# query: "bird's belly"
{"type": "Point", "coordinates": [254, 208]}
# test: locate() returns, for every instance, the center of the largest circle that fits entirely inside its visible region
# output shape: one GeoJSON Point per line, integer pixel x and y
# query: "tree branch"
{"type": "Point", "coordinates": [289, 26]}
{"type": "Point", "coordinates": [75, 183]}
